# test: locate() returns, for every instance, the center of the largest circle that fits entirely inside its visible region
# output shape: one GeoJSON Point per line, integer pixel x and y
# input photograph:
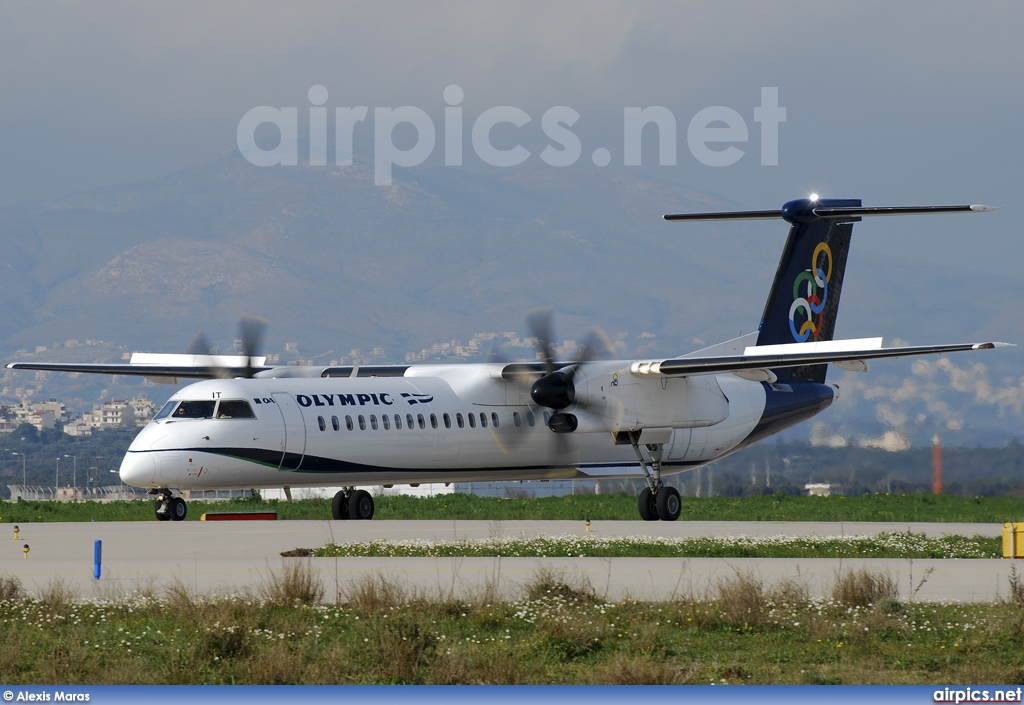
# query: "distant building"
{"type": "Point", "coordinates": [42, 420]}
{"type": "Point", "coordinates": [111, 414]}
{"type": "Point", "coordinates": [144, 410]}
{"type": "Point", "coordinates": [43, 415]}
{"type": "Point", "coordinates": [78, 428]}
{"type": "Point", "coordinates": [818, 489]}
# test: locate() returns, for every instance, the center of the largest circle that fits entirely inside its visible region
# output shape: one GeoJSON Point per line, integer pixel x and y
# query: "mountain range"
{"type": "Point", "coordinates": [339, 264]}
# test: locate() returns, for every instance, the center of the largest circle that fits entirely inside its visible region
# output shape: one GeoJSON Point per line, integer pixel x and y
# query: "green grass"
{"type": "Point", "coordinates": [878, 507]}
{"type": "Point", "coordinates": [883, 545]}
{"type": "Point", "coordinates": [558, 631]}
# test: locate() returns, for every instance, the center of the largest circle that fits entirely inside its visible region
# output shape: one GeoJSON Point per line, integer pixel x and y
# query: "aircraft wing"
{"type": "Point", "coordinates": [757, 362]}
{"type": "Point", "coordinates": [159, 367]}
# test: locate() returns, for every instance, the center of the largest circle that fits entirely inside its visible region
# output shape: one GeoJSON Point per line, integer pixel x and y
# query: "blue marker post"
{"type": "Point", "coordinates": [97, 557]}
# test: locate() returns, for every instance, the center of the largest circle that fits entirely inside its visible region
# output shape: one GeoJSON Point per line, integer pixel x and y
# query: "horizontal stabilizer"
{"type": "Point", "coordinates": [806, 210]}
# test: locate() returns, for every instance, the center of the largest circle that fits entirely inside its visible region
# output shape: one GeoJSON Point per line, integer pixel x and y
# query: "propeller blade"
{"type": "Point", "coordinates": [199, 345]}
{"type": "Point", "coordinates": [539, 323]}
{"type": "Point", "coordinates": [250, 330]}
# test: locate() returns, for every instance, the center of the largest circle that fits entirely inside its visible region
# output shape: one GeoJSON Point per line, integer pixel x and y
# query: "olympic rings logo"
{"type": "Point", "coordinates": [810, 294]}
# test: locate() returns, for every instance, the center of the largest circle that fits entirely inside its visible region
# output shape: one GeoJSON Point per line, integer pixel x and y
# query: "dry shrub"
{"type": "Point", "coordinates": [571, 637]}
{"type": "Point", "coordinates": [624, 669]}
{"type": "Point", "coordinates": [224, 642]}
{"type": "Point", "coordinates": [57, 596]}
{"type": "Point", "coordinates": [180, 600]}
{"type": "Point", "coordinates": [488, 593]}
{"type": "Point", "coordinates": [374, 593]}
{"type": "Point", "coordinates": [548, 584]}
{"type": "Point", "coordinates": [297, 584]}
{"type": "Point", "coordinates": [470, 665]}
{"type": "Point", "coordinates": [789, 592]}
{"type": "Point", "coordinates": [1016, 587]}
{"type": "Point", "coordinates": [11, 589]}
{"type": "Point", "coordinates": [742, 599]}
{"type": "Point", "coordinates": [862, 588]}
{"type": "Point", "coordinates": [401, 648]}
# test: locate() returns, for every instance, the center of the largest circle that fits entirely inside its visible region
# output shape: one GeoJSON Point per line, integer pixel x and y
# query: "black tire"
{"type": "Point", "coordinates": [668, 504]}
{"type": "Point", "coordinates": [360, 505]}
{"type": "Point", "coordinates": [177, 508]}
{"type": "Point", "coordinates": [339, 506]}
{"type": "Point", "coordinates": [164, 515]}
{"type": "Point", "coordinates": [648, 506]}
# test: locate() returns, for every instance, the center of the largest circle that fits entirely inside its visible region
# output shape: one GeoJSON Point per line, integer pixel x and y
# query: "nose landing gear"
{"type": "Point", "coordinates": [169, 507]}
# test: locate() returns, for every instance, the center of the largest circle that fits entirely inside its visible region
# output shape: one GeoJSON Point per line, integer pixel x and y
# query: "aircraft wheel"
{"type": "Point", "coordinates": [163, 512]}
{"type": "Point", "coordinates": [177, 508]}
{"type": "Point", "coordinates": [339, 506]}
{"type": "Point", "coordinates": [648, 505]}
{"type": "Point", "coordinates": [668, 504]}
{"type": "Point", "coordinates": [360, 505]}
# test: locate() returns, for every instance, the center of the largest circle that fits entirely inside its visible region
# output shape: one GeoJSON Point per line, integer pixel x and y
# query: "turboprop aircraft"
{"type": "Point", "coordinates": [248, 425]}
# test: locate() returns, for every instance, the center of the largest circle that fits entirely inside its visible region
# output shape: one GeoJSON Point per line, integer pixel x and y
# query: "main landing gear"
{"type": "Point", "coordinates": [351, 503]}
{"type": "Point", "coordinates": [169, 507]}
{"type": "Point", "coordinates": [657, 500]}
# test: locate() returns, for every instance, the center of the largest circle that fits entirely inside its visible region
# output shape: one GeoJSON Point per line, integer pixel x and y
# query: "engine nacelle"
{"type": "Point", "coordinates": [628, 402]}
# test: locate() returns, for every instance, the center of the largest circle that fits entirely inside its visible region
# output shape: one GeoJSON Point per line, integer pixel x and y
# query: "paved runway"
{"type": "Point", "coordinates": [226, 557]}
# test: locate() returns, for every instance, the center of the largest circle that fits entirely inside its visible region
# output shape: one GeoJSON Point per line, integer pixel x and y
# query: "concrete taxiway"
{"type": "Point", "coordinates": [238, 556]}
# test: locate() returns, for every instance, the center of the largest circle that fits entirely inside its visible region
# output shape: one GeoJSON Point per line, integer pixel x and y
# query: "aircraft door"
{"type": "Point", "coordinates": [294, 431]}
{"type": "Point", "coordinates": [698, 439]}
{"type": "Point", "coordinates": [680, 444]}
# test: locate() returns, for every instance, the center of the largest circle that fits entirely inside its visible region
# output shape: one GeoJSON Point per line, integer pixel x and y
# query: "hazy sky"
{"type": "Point", "coordinates": [915, 102]}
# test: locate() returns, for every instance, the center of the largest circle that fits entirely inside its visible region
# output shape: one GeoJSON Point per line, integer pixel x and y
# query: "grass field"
{"type": "Point", "coordinates": [558, 631]}
{"type": "Point", "coordinates": [877, 507]}
{"type": "Point", "coordinates": [883, 545]}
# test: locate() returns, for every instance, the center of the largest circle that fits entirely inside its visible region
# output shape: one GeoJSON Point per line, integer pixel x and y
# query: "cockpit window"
{"type": "Point", "coordinates": [166, 410]}
{"type": "Point", "coordinates": [234, 409]}
{"type": "Point", "coordinates": [194, 410]}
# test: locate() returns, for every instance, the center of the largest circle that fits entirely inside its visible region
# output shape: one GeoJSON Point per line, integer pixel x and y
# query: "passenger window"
{"type": "Point", "coordinates": [547, 419]}
{"type": "Point", "coordinates": [334, 423]}
{"type": "Point", "coordinates": [386, 421]}
{"type": "Point", "coordinates": [408, 419]}
{"type": "Point", "coordinates": [516, 420]}
{"type": "Point", "coordinates": [483, 420]}
{"type": "Point", "coordinates": [433, 421]}
{"type": "Point", "coordinates": [447, 421]}
{"type": "Point", "coordinates": [398, 421]}
{"type": "Point", "coordinates": [234, 409]}
{"type": "Point", "coordinates": [320, 423]}
{"type": "Point", "coordinates": [362, 423]}
{"type": "Point", "coordinates": [529, 418]}
{"type": "Point", "coordinates": [494, 418]}
{"type": "Point", "coordinates": [459, 421]}
{"type": "Point", "coordinates": [194, 410]}
{"type": "Point", "coordinates": [348, 422]}
{"type": "Point", "coordinates": [472, 420]}
{"type": "Point", "coordinates": [420, 421]}
{"type": "Point", "coordinates": [373, 421]}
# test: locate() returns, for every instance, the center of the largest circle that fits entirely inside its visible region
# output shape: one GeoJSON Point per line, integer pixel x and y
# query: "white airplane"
{"type": "Point", "coordinates": [248, 425]}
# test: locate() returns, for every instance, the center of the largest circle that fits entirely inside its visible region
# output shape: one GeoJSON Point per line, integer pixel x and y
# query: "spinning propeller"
{"type": "Point", "coordinates": [250, 331]}
{"type": "Point", "coordinates": [556, 388]}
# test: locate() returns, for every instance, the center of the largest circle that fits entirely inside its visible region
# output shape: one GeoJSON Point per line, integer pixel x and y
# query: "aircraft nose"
{"type": "Point", "coordinates": [138, 469]}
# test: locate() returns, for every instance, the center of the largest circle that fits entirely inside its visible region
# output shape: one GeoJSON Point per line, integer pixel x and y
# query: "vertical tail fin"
{"type": "Point", "coordinates": [803, 302]}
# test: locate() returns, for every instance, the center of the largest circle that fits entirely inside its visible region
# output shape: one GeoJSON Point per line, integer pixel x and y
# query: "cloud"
{"type": "Point", "coordinates": [822, 436]}
{"type": "Point", "coordinates": [892, 441]}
